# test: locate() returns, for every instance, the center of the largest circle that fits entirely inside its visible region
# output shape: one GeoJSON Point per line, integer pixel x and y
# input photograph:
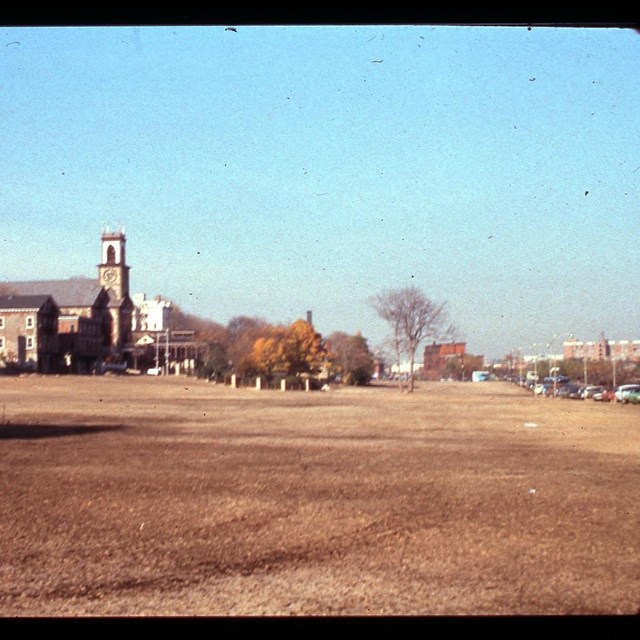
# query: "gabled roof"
{"type": "Point", "coordinates": [74, 292]}
{"type": "Point", "coordinates": [23, 302]}
{"type": "Point", "coordinates": [113, 301]}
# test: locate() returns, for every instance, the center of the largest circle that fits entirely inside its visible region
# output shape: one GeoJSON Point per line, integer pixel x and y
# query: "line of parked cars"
{"type": "Point", "coordinates": [562, 387]}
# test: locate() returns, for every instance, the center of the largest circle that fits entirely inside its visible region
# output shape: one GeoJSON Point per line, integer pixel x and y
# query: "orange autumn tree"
{"type": "Point", "coordinates": [304, 348]}
{"type": "Point", "coordinates": [268, 352]}
{"type": "Point", "coordinates": [292, 351]}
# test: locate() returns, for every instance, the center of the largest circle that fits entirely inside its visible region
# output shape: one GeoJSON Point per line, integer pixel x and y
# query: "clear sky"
{"type": "Point", "coordinates": [270, 170]}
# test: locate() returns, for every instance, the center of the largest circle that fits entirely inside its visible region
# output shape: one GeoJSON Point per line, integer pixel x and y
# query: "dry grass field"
{"type": "Point", "coordinates": [134, 496]}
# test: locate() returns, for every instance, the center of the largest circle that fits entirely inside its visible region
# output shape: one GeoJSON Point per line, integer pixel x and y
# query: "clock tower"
{"type": "Point", "coordinates": [113, 270]}
{"type": "Point", "coordinates": [113, 275]}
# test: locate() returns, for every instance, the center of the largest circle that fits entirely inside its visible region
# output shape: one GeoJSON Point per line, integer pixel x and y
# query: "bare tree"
{"type": "Point", "coordinates": [395, 345]}
{"type": "Point", "coordinates": [413, 318]}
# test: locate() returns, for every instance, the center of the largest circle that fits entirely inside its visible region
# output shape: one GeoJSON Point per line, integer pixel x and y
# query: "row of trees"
{"type": "Point", "coordinates": [250, 346]}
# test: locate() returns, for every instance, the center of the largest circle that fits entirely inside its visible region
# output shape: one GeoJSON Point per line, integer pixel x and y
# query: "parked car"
{"type": "Point", "coordinates": [623, 390]}
{"type": "Point", "coordinates": [588, 392]}
{"type": "Point", "coordinates": [575, 393]}
{"type": "Point", "coordinates": [543, 389]}
{"type": "Point", "coordinates": [563, 391]}
{"type": "Point", "coordinates": [606, 395]}
{"type": "Point", "coordinates": [633, 397]}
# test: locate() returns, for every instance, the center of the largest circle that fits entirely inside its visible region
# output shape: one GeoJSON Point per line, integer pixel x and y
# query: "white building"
{"type": "Point", "coordinates": [541, 357]}
{"type": "Point", "coordinates": [150, 315]}
{"type": "Point", "coordinates": [405, 367]}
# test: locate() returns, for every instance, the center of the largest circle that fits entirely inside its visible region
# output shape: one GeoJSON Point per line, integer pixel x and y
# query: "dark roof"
{"type": "Point", "coordinates": [113, 301]}
{"type": "Point", "coordinates": [74, 292]}
{"type": "Point", "coordinates": [23, 302]}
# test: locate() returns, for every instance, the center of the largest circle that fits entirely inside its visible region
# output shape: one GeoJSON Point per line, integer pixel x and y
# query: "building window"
{"type": "Point", "coordinates": [29, 322]}
{"type": "Point", "coordinates": [1, 323]}
{"type": "Point", "coordinates": [1, 342]}
{"type": "Point", "coordinates": [29, 342]}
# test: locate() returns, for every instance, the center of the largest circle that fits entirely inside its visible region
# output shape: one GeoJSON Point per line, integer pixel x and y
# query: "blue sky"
{"type": "Point", "coordinates": [271, 170]}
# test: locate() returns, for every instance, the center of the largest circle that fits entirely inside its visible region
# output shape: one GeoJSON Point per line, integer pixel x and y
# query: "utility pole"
{"type": "Point", "coordinates": [520, 363]}
{"type": "Point", "coordinates": [166, 353]}
{"type": "Point", "coordinates": [614, 371]}
{"type": "Point", "coordinates": [585, 369]}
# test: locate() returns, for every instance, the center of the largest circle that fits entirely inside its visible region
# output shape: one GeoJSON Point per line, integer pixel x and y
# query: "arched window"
{"type": "Point", "coordinates": [111, 254]}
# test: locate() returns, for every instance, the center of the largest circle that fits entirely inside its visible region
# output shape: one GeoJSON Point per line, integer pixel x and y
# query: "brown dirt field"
{"type": "Point", "coordinates": [134, 496]}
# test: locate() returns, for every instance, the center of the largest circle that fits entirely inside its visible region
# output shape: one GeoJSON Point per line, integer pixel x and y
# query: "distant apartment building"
{"type": "Point", "coordinates": [602, 349]}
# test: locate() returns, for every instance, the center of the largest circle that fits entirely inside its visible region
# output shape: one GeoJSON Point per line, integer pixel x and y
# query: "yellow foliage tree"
{"type": "Point", "coordinates": [304, 348]}
{"type": "Point", "coordinates": [292, 350]}
{"type": "Point", "coordinates": [269, 352]}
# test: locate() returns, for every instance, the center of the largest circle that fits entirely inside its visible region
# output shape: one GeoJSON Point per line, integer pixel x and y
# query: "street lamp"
{"type": "Point", "coordinates": [584, 360]}
{"type": "Point", "coordinates": [535, 363]}
{"type": "Point", "coordinates": [166, 353]}
{"type": "Point", "coordinates": [520, 363]}
{"type": "Point", "coordinates": [584, 357]}
{"type": "Point", "coordinates": [553, 370]}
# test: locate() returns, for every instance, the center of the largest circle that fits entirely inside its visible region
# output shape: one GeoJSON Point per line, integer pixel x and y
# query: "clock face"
{"type": "Point", "coordinates": [110, 275]}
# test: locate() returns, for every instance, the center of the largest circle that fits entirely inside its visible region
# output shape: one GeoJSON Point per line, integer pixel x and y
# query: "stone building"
{"type": "Point", "coordinates": [29, 332]}
{"type": "Point", "coordinates": [95, 313]}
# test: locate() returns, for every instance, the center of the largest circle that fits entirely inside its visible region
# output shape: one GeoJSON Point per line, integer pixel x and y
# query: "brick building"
{"type": "Point", "coordinates": [437, 356]}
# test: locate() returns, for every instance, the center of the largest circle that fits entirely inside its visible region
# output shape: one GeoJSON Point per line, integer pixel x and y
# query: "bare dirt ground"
{"type": "Point", "coordinates": [133, 496]}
